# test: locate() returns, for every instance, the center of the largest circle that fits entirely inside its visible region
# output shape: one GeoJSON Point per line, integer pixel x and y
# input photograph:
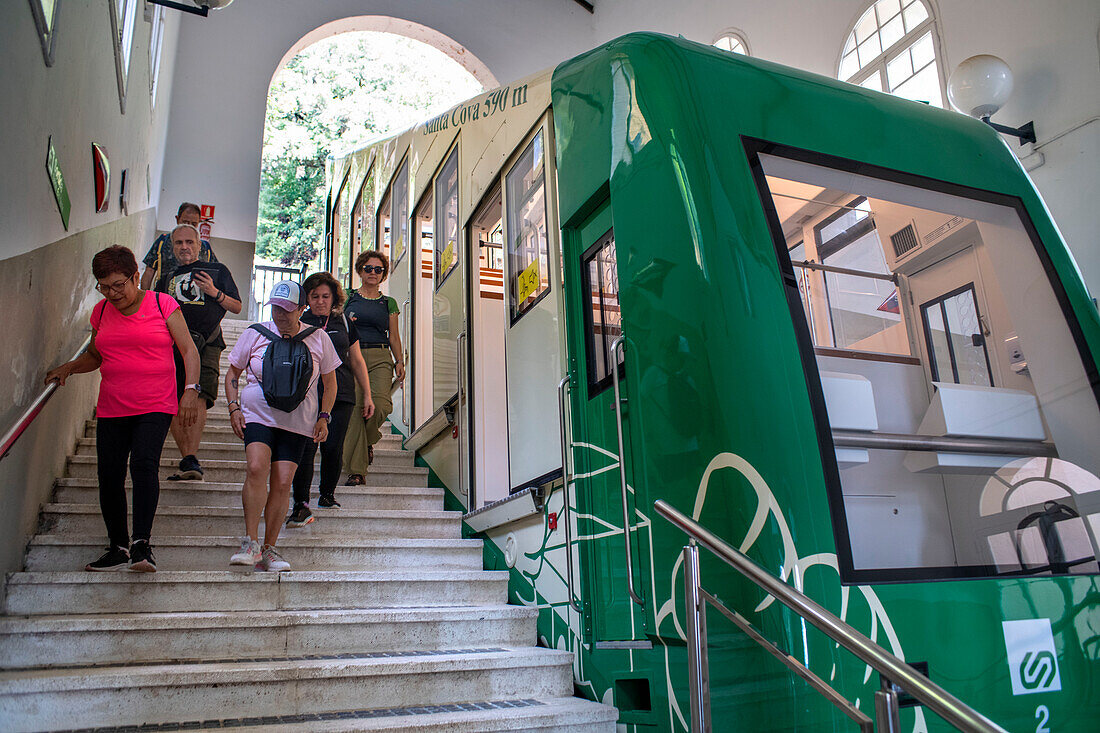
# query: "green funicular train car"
{"type": "Point", "coordinates": [846, 339]}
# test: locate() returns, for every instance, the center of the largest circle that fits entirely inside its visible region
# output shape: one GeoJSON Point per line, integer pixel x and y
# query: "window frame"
{"type": "Point", "coordinates": [334, 219]}
{"type": "Point", "coordinates": [515, 313]}
{"type": "Point", "coordinates": [393, 204]}
{"type": "Point", "coordinates": [738, 35]}
{"type": "Point", "coordinates": [596, 386]}
{"type": "Point", "coordinates": [940, 300]}
{"type": "Point", "coordinates": [359, 203]}
{"type": "Point", "coordinates": [849, 574]}
{"type": "Point", "coordinates": [437, 199]}
{"type": "Point", "coordinates": [885, 56]}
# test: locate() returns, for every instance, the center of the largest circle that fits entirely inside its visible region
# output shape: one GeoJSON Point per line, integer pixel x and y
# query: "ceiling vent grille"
{"type": "Point", "coordinates": [904, 240]}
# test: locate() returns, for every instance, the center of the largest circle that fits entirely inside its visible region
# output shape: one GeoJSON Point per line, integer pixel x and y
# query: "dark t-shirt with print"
{"type": "Point", "coordinates": [344, 336]}
{"type": "Point", "coordinates": [201, 311]}
{"type": "Point", "coordinates": [371, 317]}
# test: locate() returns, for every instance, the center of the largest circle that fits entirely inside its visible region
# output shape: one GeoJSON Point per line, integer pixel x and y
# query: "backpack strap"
{"type": "Point", "coordinates": [102, 305]}
{"type": "Point", "coordinates": [265, 332]}
{"type": "Point", "coordinates": [156, 297]}
{"type": "Point", "coordinates": [304, 333]}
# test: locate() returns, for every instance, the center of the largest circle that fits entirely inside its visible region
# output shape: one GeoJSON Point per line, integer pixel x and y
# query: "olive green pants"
{"type": "Point", "coordinates": [362, 433]}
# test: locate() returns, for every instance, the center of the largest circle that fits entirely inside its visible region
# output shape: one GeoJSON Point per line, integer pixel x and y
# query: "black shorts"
{"type": "Point", "coordinates": [209, 367]}
{"type": "Point", "coordinates": [285, 445]}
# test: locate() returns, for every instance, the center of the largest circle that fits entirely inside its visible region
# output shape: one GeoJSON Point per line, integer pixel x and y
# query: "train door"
{"type": "Point", "coordinates": [953, 314]}
{"type": "Point", "coordinates": [612, 571]}
{"type": "Point", "coordinates": [418, 335]}
{"type": "Point", "coordinates": [449, 305]}
{"type": "Point", "coordinates": [486, 379]}
{"type": "Point", "coordinates": [400, 282]}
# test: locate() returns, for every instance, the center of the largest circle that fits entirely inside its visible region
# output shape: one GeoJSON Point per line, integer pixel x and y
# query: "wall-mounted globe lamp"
{"type": "Point", "coordinates": [195, 7]}
{"type": "Point", "coordinates": [979, 87]}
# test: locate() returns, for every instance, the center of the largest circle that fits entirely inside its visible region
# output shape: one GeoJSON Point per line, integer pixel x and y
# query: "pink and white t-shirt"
{"type": "Point", "coordinates": [138, 369]}
{"type": "Point", "coordinates": [248, 355]}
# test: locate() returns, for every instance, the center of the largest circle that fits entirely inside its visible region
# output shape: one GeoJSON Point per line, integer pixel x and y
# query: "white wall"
{"type": "Point", "coordinates": [227, 60]}
{"type": "Point", "coordinates": [76, 102]}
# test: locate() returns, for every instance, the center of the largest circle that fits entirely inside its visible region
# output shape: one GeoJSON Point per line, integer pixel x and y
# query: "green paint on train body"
{"type": "Point", "coordinates": [650, 132]}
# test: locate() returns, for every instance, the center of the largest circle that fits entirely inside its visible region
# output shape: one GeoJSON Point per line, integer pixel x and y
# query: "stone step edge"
{"type": "Point", "coordinates": [401, 575]}
{"type": "Point", "coordinates": [267, 670]}
{"type": "Point", "coordinates": [236, 512]}
{"type": "Point", "coordinates": [285, 618]}
{"type": "Point", "coordinates": [73, 482]}
{"type": "Point", "coordinates": [241, 465]}
{"type": "Point", "coordinates": [288, 539]}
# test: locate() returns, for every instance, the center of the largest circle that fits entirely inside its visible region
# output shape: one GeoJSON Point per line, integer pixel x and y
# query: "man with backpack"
{"type": "Point", "coordinates": [205, 291]}
{"type": "Point", "coordinates": [276, 412]}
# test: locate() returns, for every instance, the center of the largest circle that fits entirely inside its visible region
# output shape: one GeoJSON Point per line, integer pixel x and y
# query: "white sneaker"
{"type": "Point", "coordinates": [272, 561]}
{"type": "Point", "coordinates": [249, 554]}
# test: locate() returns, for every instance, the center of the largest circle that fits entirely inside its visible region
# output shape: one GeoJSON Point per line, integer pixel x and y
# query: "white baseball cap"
{"type": "Point", "coordinates": [285, 294]}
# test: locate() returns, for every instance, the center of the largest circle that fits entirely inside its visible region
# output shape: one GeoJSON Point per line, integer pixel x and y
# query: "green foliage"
{"type": "Point", "coordinates": [337, 95]}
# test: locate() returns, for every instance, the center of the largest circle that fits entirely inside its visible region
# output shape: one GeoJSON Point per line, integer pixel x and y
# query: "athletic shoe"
{"type": "Point", "coordinates": [300, 517]}
{"type": "Point", "coordinates": [272, 561]}
{"type": "Point", "coordinates": [141, 557]}
{"type": "Point", "coordinates": [190, 470]}
{"type": "Point", "coordinates": [249, 554]}
{"type": "Point", "coordinates": [115, 558]}
{"type": "Point", "coordinates": [356, 479]}
{"type": "Point", "coordinates": [327, 501]}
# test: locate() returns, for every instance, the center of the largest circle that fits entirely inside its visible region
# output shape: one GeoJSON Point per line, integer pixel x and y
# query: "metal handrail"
{"type": "Point", "coordinates": [565, 443]}
{"type": "Point", "coordinates": [944, 444]}
{"type": "Point", "coordinates": [31, 412]}
{"type": "Point", "coordinates": [460, 417]}
{"type": "Point", "coordinates": [405, 386]}
{"type": "Point", "coordinates": [618, 347]}
{"type": "Point", "coordinates": [806, 264]}
{"type": "Point", "coordinates": [928, 693]}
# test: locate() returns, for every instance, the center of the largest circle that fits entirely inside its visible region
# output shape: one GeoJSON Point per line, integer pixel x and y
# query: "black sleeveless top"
{"type": "Point", "coordinates": [343, 334]}
{"type": "Point", "coordinates": [371, 317]}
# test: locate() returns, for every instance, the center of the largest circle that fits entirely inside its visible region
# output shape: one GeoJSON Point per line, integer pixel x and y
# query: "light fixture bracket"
{"type": "Point", "coordinates": [1025, 133]}
{"type": "Point", "coordinates": [204, 11]}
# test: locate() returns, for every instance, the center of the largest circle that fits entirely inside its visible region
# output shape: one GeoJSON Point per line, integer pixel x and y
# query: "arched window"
{"type": "Point", "coordinates": [732, 40]}
{"type": "Point", "coordinates": [892, 48]}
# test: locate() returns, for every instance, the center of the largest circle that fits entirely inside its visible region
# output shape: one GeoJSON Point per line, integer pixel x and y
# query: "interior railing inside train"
{"type": "Point", "coordinates": [944, 297]}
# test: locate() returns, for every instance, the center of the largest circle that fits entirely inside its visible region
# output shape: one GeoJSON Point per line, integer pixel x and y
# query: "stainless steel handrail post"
{"type": "Point", "coordinates": [618, 347]}
{"type": "Point", "coordinates": [405, 385]}
{"type": "Point", "coordinates": [566, 443]}
{"type": "Point", "coordinates": [927, 692]}
{"type": "Point", "coordinates": [698, 673]}
{"type": "Point", "coordinates": [887, 712]}
{"type": "Point", "coordinates": [32, 411]}
{"type": "Point", "coordinates": [461, 412]}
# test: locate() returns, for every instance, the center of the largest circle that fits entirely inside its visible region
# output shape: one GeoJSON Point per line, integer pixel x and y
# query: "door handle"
{"type": "Point", "coordinates": [619, 347]}
{"type": "Point", "coordinates": [566, 443]}
{"type": "Point", "coordinates": [405, 387]}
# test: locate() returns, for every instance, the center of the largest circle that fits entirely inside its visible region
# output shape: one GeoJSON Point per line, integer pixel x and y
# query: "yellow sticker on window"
{"type": "Point", "coordinates": [528, 281]}
{"type": "Point", "coordinates": [448, 258]}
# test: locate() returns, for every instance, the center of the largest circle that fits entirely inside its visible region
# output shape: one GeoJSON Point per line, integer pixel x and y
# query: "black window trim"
{"type": "Point", "coordinates": [516, 312]}
{"type": "Point", "coordinates": [596, 387]}
{"type": "Point", "coordinates": [389, 190]}
{"type": "Point", "coordinates": [849, 574]}
{"type": "Point", "coordinates": [438, 281]}
{"type": "Point", "coordinates": [940, 300]}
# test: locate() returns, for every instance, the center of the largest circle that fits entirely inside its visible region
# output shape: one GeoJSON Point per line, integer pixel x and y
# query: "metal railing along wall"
{"type": "Point", "coordinates": [28, 416]}
{"type": "Point", "coordinates": [263, 278]}
{"type": "Point", "coordinates": [899, 674]}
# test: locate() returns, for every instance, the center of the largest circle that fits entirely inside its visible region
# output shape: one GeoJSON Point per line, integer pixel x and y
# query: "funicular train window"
{"type": "Point", "coordinates": [989, 464]}
{"type": "Point", "coordinates": [603, 322]}
{"type": "Point", "coordinates": [528, 247]}
{"type": "Point", "coordinates": [400, 214]}
{"type": "Point", "coordinates": [341, 232]}
{"type": "Point", "coordinates": [955, 342]}
{"type": "Point", "coordinates": [446, 219]}
{"type": "Point", "coordinates": [384, 217]}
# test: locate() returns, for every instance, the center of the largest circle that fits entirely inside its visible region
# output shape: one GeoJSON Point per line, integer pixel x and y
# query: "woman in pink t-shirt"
{"type": "Point", "coordinates": [133, 331]}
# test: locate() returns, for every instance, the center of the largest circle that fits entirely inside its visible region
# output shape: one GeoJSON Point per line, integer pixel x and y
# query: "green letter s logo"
{"type": "Point", "coordinates": [1037, 670]}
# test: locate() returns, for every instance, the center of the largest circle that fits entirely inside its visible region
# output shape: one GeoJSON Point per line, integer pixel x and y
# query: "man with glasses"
{"type": "Point", "coordinates": [204, 291]}
{"type": "Point", "coordinates": [160, 260]}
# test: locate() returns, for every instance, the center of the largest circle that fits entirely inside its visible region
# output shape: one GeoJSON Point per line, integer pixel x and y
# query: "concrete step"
{"type": "Point", "coordinates": [71, 519]}
{"type": "Point", "coordinates": [219, 431]}
{"type": "Point", "coordinates": [228, 471]}
{"type": "Point", "coordinates": [210, 493]}
{"type": "Point", "coordinates": [550, 715]}
{"type": "Point", "coordinates": [210, 590]}
{"type": "Point", "coordinates": [47, 641]}
{"type": "Point", "coordinates": [233, 450]}
{"type": "Point", "coordinates": [309, 550]}
{"type": "Point", "coordinates": [97, 696]}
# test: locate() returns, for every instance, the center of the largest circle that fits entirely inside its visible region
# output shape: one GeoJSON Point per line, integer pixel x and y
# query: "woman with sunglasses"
{"type": "Point", "coordinates": [133, 331]}
{"type": "Point", "coordinates": [376, 318]}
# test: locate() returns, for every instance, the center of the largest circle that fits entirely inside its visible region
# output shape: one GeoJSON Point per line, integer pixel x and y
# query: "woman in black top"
{"type": "Point", "coordinates": [325, 296]}
{"type": "Point", "coordinates": [376, 318]}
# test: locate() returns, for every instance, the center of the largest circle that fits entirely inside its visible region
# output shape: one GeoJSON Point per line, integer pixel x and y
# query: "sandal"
{"type": "Point", "coordinates": [355, 479]}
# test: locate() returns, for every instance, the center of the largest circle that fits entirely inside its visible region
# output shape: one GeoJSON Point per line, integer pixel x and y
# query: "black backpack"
{"type": "Point", "coordinates": [288, 368]}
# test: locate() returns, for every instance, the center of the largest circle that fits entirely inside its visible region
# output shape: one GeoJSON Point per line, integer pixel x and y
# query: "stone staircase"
{"type": "Point", "coordinates": [386, 622]}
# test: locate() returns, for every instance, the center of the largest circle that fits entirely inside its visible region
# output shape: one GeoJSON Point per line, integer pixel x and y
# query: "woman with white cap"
{"type": "Point", "coordinates": [276, 414]}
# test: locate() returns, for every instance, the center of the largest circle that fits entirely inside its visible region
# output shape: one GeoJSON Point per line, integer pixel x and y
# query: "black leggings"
{"type": "Point", "coordinates": [140, 439]}
{"type": "Point", "coordinates": [332, 455]}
